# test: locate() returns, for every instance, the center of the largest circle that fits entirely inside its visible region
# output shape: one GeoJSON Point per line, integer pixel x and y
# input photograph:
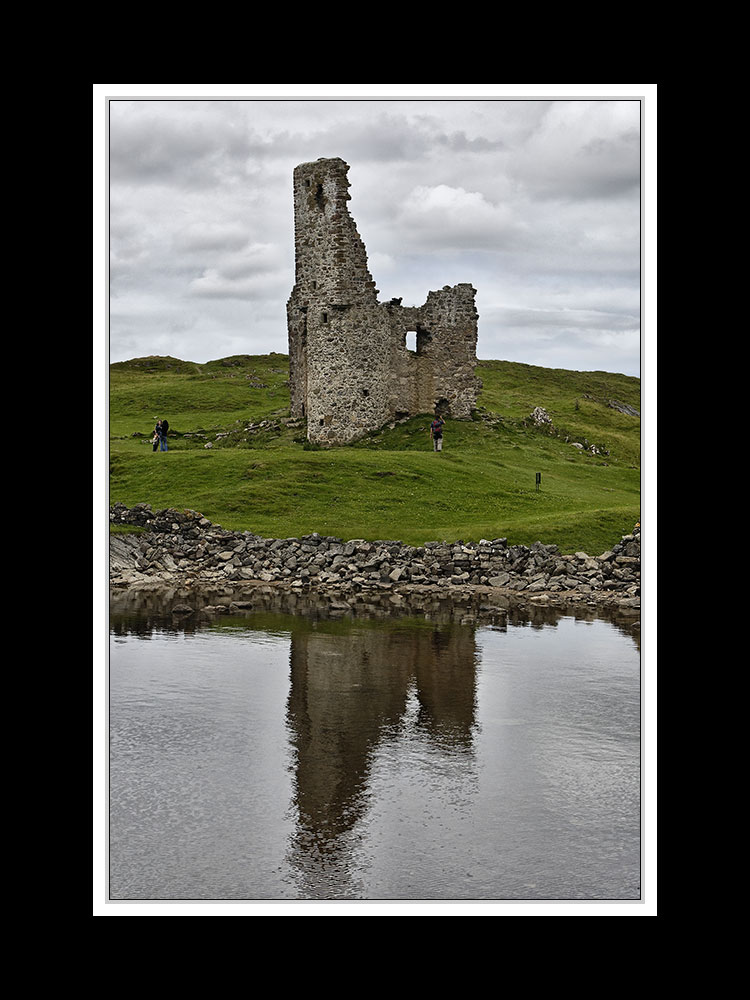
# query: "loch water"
{"type": "Point", "coordinates": [268, 750]}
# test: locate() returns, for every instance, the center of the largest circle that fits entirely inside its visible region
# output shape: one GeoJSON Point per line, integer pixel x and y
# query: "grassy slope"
{"type": "Point", "coordinates": [390, 485]}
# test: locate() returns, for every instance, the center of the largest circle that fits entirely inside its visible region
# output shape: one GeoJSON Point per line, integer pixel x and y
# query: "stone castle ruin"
{"type": "Point", "coordinates": [350, 369]}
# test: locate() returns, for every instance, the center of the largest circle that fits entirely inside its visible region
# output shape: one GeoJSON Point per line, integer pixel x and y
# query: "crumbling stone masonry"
{"type": "Point", "coordinates": [350, 369]}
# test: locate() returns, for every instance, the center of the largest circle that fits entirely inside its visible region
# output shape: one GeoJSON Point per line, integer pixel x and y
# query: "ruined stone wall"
{"type": "Point", "coordinates": [439, 375]}
{"type": "Point", "coordinates": [350, 370]}
{"type": "Point", "coordinates": [338, 342]}
{"type": "Point", "coordinates": [347, 372]}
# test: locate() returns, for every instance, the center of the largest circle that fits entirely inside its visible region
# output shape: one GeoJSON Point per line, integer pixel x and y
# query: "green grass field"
{"type": "Point", "coordinates": [390, 485]}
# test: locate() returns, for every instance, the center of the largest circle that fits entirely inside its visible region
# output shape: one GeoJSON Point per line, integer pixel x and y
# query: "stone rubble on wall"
{"type": "Point", "coordinates": [184, 545]}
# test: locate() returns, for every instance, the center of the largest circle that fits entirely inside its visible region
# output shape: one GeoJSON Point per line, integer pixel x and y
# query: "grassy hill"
{"type": "Point", "coordinates": [260, 474]}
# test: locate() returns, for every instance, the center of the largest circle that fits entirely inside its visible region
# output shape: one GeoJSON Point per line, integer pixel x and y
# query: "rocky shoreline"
{"type": "Point", "coordinates": [184, 549]}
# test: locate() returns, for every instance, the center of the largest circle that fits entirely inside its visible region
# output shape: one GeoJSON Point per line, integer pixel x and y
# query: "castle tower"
{"type": "Point", "coordinates": [338, 339]}
{"type": "Point", "coordinates": [350, 371]}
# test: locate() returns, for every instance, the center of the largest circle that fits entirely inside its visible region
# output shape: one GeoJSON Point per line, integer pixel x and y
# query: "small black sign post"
{"type": "Point", "coordinates": [538, 481]}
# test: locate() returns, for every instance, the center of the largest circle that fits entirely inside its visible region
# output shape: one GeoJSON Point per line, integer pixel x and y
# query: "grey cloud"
{"type": "Point", "coordinates": [202, 236]}
{"type": "Point", "coordinates": [368, 138]}
{"type": "Point", "coordinates": [193, 143]}
{"type": "Point", "coordinates": [567, 319]}
{"type": "Point", "coordinates": [459, 142]}
{"type": "Point", "coordinates": [250, 280]}
{"type": "Point", "coordinates": [364, 133]}
{"type": "Point", "coordinates": [561, 347]}
{"type": "Point", "coordinates": [581, 151]}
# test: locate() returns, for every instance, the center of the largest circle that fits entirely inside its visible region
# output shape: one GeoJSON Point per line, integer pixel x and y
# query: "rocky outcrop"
{"type": "Point", "coordinates": [183, 546]}
{"type": "Point", "coordinates": [631, 411]}
{"type": "Point", "coordinates": [540, 418]}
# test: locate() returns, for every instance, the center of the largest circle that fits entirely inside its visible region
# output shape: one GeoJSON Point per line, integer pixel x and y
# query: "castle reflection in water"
{"type": "Point", "coordinates": [358, 678]}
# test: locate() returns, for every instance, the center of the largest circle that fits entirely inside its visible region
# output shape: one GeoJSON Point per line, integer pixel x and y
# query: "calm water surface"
{"type": "Point", "coordinates": [324, 755]}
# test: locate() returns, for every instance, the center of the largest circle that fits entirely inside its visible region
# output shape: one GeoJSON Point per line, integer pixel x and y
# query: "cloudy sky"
{"type": "Point", "coordinates": [535, 201]}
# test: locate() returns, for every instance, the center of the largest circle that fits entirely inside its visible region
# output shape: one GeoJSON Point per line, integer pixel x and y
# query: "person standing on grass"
{"type": "Point", "coordinates": [163, 435]}
{"type": "Point", "coordinates": [436, 433]}
{"type": "Point", "coordinates": [156, 439]}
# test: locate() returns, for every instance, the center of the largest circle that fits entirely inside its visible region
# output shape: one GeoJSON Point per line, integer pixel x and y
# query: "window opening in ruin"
{"type": "Point", "coordinates": [365, 392]}
{"type": "Point", "coordinates": [320, 197]}
{"type": "Point", "coordinates": [411, 340]}
{"type": "Point", "coordinates": [325, 317]}
{"type": "Point", "coordinates": [321, 421]}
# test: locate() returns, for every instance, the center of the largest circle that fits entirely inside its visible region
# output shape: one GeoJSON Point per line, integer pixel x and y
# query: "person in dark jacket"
{"type": "Point", "coordinates": [156, 439]}
{"type": "Point", "coordinates": [436, 433]}
{"type": "Point", "coordinates": [163, 434]}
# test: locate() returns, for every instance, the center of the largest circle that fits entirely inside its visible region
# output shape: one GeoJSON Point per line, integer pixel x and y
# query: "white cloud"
{"type": "Point", "coordinates": [445, 217]}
